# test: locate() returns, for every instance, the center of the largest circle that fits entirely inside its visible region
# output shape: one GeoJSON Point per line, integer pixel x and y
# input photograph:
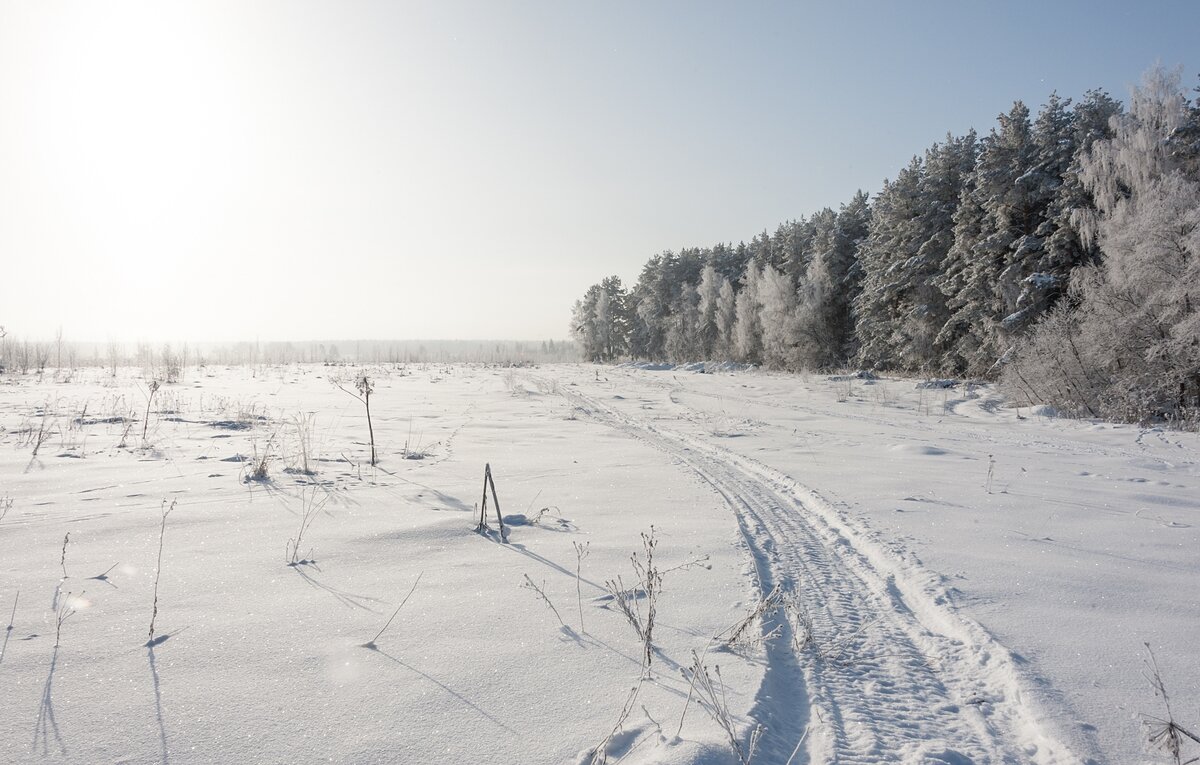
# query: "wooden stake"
{"type": "Point", "coordinates": [489, 481]}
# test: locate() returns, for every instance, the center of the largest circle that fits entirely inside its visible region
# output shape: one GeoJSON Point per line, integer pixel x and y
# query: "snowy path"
{"type": "Point", "coordinates": [892, 673]}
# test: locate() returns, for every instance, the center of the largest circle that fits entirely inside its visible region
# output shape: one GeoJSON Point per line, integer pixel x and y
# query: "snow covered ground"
{"type": "Point", "coordinates": [950, 580]}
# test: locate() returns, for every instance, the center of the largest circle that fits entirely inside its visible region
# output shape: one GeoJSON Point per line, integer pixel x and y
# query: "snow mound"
{"type": "Point", "coordinates": [861, 374]}
{"type": "Point", "coordinates": [919, 449]}
{"type": "Point", "coordinates": [939, 384]}
{"type": "Point", "coordinates": [648, 366]}
{"type": "Point", "coordinates": [698, 367]}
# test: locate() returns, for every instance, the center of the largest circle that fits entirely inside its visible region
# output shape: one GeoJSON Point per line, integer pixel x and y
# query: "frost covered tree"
{"type": "Point", "coordinates": [824, 325]}
{"type": "Point", "coordinates": [994, 228]}
{"type": "Point", "coordinates": [611, 319]}
{"type": "Point", "coordinates": [778, 306]}
{"type": "Point", "coordinates": [708, 294]}
{"type": "Point", "coordinates": [657, 296]}
{"type": "Point", "coordinates": [791, 248]}
{"type": "Point", "coordinates": [726, 320]}
{"type": "Point", "coordinates": [1028, 252]}
{"type": "Point", "coordinates": [729, 261]}
{"type": "Point", "coordinates": [901, 309]}
{"type": "Point", "coordinates": [583, 330]}
{"type": "Point", "coordinates": [1014, 245]}
{"type": "Point", "coordinates": [683, 340]}
{"type": "Point", "coordinates": [1132, 346]}
{"type": "Point", "coordinates": [600, 321]}
{"type": "Point", "coordinates": [1061, 143]}
{"type": "Point", "coordinates": [889, 244]}
{"type": "Point", "coordinates": [650, 300]}
{"type": "Point", "coordinates": [1140, 309]}
{"type": "Point", "coordinates": [747, 329]}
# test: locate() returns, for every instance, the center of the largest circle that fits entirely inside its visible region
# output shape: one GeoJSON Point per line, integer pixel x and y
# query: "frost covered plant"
{"type": "Point", "coordinates": [1165, 733]}
{"type": "Point", "coordinates": [843, 387]}
{"type": "Point", "coordinates": [629, 600]}
{"type": "Point", "coordinates": [153, 389]}
{"type": "Point", "coordinates": [63, 559]}
{"type": "Point", "coordinates": [365, 388]}
{"type": "Point", "coordinates": [304, 438]}
{"type": "Point", "coordinates": [540, 591]}
{"type": "Point", "coordinates": [65, 611]}
{"type": "Point", "coordinates": [261, 471]}
{"type": "Point", "coordinates": [309, 514]}
{"type": "Point", "coordinates": [413, 449]}
{"type": "Point", "coordinates": [581, 552]}
{"type": "Point", "coordinates": [172, 364]}
{"type": "Point", "coordinates": [600, 753]}
{"type": "Point", "coordinates": [803, 631]}
{"type": "Point", "coordinates": [740, 634]}
{"type": "Point", "coordinates": [712, 697]}
{"type": "Point", "coordinates": [1127, 349]}
{"type": "Point", "coordinates": [126, 430]}
{"type": "Point", "coordinates": [39, 437]}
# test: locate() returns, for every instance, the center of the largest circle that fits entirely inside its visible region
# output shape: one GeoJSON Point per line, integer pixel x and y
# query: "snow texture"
{"type": "Point", "coordinates": [956, 581]}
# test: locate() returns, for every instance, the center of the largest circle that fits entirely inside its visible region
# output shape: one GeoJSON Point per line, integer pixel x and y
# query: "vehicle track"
{"type": "Point", "coordinates": [893, 673]}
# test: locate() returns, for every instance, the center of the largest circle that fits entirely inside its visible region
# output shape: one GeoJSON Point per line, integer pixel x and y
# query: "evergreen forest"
{"type": "Point", "coordinates": [1058, 254]}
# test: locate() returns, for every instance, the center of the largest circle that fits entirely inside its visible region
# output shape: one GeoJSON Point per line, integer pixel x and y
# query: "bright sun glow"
{"type": "Point", "coordinates": [301, 169]}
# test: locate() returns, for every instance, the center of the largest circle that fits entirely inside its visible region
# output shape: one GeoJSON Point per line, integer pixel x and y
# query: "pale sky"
{"type": "Point", "coordinates": [464, 170]}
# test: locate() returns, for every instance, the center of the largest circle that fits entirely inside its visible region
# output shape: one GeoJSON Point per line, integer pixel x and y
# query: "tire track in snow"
{"type": "Point", "coordinates": [894, 674]}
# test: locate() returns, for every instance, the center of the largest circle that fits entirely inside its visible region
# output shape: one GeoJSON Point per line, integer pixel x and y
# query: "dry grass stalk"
{"type": "Point", "coordinates": [65, 611]}
{"type": "Point", "coordinates": [310, 510]}
{"type": "Point", "coordinates": [371, 643]}
{"type": "Point", "coordinates": [304, 437]}
{"type": "Point", "coordinates": [43, 432]}
{"type": "Point", "coordinates": [1166, 734]}
{"type": "Point", "coordinates": [541, 593]}
{"type": "Point", "coordinates": [154, 386]}
{"type": "Point", "coordinates": [262, 463]}
{"type": "Point", "coordinates": [740, 634]}
{"type": "Point", "coordinates": [162, 530]}
{"type": "Point", "coordinates": [711, 696]}
{"type": "Point", "coordinates": [581, 552]}
{"type": "Point", "coordinates": [600, 753]}
{"type": "Point", "coordinates": [63, 560]}
{"type": "Point", "coordinates": [12, 617]}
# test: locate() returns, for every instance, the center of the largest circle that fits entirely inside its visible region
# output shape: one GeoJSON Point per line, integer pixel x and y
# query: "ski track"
{"type": "Point", "coordinates": [893, 673]}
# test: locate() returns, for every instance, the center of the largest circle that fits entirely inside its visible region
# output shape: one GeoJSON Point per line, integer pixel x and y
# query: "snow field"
{"type": "Point", "coordinates": [264, 662]}
{"type": "Point", "coordinates": [959, 582]}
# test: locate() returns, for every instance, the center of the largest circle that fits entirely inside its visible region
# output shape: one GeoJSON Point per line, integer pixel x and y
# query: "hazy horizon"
{"type": "Point", "coordinates": [133, 341]}
{"type": "Point", "coordinates": [462, 170]}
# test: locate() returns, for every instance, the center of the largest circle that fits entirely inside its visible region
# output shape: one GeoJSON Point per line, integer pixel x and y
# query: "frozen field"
{"type": "Point", "coordinates": [946, 580]}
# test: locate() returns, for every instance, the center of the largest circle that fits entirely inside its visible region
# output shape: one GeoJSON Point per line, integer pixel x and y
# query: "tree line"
{"type": "Point", "coordinates": [1059, 253]}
